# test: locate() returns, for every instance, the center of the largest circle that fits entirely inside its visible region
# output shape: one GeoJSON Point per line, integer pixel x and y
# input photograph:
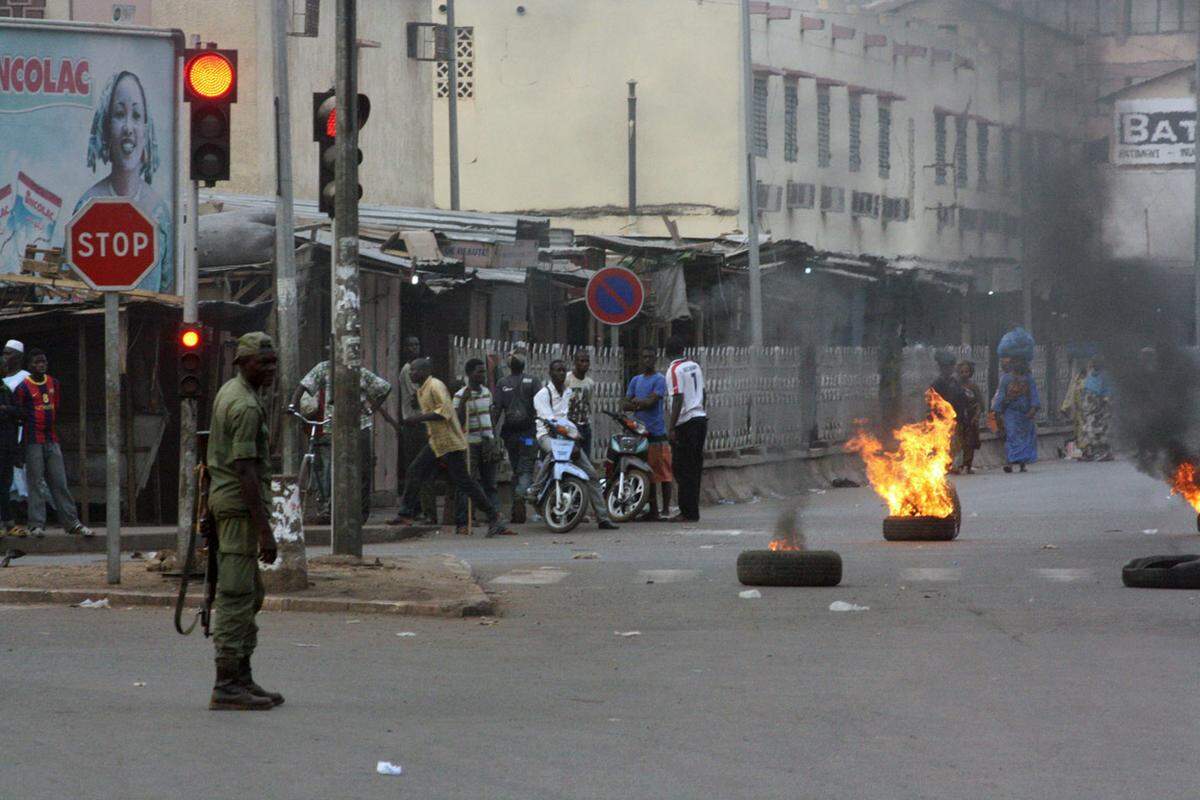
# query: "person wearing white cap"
{"type": "Point", "coordinates": [12, 462]}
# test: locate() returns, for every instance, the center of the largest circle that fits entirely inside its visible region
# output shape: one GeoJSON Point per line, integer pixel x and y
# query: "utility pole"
{"type": "Point", "coordinates": [1023, 161]}
{"type": "Point", "coordinates": [750, 202]}
{"type": "Point", "coordinates": [347, 333]}
{"type": "Point", "coordinates": [452, 97]}
{"type": "Point", "coordinates": [1196, 210]}
{"type": "Point", "coordinates": [632, 147]}
{"type": "Point", "coordinates": [188, 412]}
{"type": "Point", "coordinates": [287, 323]}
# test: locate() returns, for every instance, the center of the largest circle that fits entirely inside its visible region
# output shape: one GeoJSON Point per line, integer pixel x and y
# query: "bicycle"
{"type": "Point", "coordinates": [309, 478]}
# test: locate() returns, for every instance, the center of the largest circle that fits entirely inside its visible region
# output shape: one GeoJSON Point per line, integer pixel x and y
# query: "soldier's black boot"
{"type": "Point", "coordinates": [247, 680]}
{"type": "Point", "coordinates": [229, 694]}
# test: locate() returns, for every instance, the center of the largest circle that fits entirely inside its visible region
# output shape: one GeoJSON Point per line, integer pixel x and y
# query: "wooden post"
{"type": "Point", "coordinates": [84, 396]}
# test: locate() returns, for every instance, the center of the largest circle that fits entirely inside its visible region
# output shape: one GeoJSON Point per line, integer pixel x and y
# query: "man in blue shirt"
{"type": "Point", "coordinates": [645, 398]}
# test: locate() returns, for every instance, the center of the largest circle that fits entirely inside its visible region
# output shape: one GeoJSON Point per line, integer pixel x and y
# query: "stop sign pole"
{"type": "Point", "coordinates": [112, 245]}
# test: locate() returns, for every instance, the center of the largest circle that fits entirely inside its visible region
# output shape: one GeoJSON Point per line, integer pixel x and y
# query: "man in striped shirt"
{"type": "Point", "coordinates": [38, 397]}
{"type": "Point", "coordinates": [473, 404]}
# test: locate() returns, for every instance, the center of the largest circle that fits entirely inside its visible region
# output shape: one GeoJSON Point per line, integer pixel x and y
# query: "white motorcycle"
{"type": "Point", "coordinates": [563, 499]}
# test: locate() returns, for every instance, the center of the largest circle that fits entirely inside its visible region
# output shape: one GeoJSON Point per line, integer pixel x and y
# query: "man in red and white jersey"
{"type": "Point", "coordinates": [687, 427]}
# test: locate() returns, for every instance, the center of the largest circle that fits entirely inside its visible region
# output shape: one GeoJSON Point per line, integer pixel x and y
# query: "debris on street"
{"type": "Point", "coordinates": [750, 594]}
{"type": "Point", "coordinates": [627, 634]}
{"type": "Point", "coordinates": [103, 603]}
{"type": "Point", "coordinates": [388, 768]}
{"type": "Point", "coordinates": [585, 556]}
{"type": "Point", "coordinates": [839, 605]}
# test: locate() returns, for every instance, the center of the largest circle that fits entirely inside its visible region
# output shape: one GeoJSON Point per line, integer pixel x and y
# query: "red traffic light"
{"type": "Point", "coordinates": [209, 75]}
{"type": "Point", "coordinates": [325, 114]}
{"type": "Point", "coordinates": [190, 338]}
{"type": "Point", "coordinates": [331, 124]}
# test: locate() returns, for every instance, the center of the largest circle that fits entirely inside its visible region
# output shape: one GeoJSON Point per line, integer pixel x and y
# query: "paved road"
{"type": "Point", "coordinates": [985, 668]}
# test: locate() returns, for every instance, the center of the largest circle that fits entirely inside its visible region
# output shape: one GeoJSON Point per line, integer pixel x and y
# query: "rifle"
{"type": "Point", "coordinates": [202, 526]}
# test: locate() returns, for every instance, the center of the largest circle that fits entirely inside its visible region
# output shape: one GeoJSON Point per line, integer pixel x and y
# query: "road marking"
{"type": "Point", "coordinates": [1064, 575]}
{"type": "Point", "coordinates": [714, 532]}
{"type": "Point", "coordinates": [532, 577]}
{"type": "Point", "coordinates": [666, 575]}
{"type": "Point", "coordinates": [942, 574]}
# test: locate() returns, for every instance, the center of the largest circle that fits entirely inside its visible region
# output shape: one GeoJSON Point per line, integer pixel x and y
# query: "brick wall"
{"type": "Point", "coordinates": [28, 9]}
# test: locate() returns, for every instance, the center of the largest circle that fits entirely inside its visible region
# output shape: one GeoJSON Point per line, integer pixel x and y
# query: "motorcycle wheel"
{"type": "Point", "coordinates": [636, 496]}
{"type": "Point", "coordinates": [564, 516]}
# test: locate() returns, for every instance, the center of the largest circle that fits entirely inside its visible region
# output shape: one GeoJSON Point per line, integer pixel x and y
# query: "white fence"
{"type": "Point", "coordinates": [776, 399]}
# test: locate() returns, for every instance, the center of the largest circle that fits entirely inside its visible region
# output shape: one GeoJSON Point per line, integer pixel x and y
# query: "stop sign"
{"type": "Point", "coordinates": [111, 244]}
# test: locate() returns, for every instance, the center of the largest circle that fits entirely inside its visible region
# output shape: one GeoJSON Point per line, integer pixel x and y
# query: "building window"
{"type": "Point", "coordinates": [885, 139]}
{"type": "Point", "coordinates": [855, 131]}
{"type": "Point", "coordinates": [939, 148]}
{"type": "Point", "coordinates": [981, 150]}
{"type": "Point", "coordinates": [960, 151]}
{"type": "Point", "coordinates": [760, 115]}
{"type": "Point", "coordinates": [1006, 141]}
{"type": "Point", "coordinates": [464, 60]}
{"type": "Point", "coordinates": [790, 103]}
{"type": "Point", "coordinates": [823, 152]}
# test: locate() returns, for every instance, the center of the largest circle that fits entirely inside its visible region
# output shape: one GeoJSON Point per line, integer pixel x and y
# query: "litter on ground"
{"type": "Point", "coordinates": [405, 634]}
{"type": "Point", "coordinates": [585, 556]}
{"type": "Point", "coordinates": [103, 603]}
{"type": "Point", "coordinates": [388, 768]}
{"type": "Point", "coordinates": [838, 605]}
{"type": "Point", "coordinates": [750, 594]}
{"type": "Point", "coordinates": [627, 634]}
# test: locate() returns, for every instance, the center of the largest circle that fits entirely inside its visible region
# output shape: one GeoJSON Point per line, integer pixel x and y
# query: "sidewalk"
{"type": "Point", "coordinates": [147, 538]}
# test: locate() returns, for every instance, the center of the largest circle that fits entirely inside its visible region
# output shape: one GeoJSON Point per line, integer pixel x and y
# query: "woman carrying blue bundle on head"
{"type": "Point", "coordinates": [1017, 402]}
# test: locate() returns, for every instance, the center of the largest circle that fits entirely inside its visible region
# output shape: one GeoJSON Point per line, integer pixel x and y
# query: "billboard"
{"type": "Point", "coordinates": [1154, 130]}
{"type": "Point", "coordinates": [86, 111]}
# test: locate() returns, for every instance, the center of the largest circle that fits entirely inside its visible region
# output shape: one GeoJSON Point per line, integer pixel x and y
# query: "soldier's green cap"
{"type": "Point", "coordinates": [253, 344]}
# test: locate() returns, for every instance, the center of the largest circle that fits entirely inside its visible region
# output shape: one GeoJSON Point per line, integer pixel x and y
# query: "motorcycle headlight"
{"type": "Point", "coordinates": [629, 442]}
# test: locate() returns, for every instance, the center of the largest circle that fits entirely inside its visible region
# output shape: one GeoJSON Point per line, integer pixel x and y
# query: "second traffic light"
{"type": "Point", "coordinates": [325, 135]}
{"type": "Point", "coordinates": [210, 88]}
{"type": "Point", "coordinates": [190, 343]}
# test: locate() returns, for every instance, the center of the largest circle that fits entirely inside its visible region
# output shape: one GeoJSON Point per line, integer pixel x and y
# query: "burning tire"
{"type": "Point", "coordinates": [1162, 572]}
{"type": "Point", "coordinates": [789, 568]}
{"type": "Point", "coordinates": [925, 529]}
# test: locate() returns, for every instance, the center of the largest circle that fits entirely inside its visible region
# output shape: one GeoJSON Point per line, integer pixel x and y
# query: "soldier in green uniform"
{"type": "Point", "coordinates": [239, 501]}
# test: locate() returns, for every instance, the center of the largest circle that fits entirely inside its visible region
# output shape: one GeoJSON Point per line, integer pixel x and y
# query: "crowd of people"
{"type": "Point", "coordinates": [468, 433]}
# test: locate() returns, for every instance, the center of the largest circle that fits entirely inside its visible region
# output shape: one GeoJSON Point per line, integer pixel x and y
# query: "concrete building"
{"type": "Point", "coordinates": [396, 142]}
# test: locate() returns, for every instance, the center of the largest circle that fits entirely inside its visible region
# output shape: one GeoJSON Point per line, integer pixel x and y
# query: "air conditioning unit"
{"type": "Point", "coordinates": [864, 204]}
{"type": "Point", "coordinates": [769, 198]}
{"type": "Point", "coordinates": [833, 199]}
{"type": "Point", "coordinates": [801, 195]}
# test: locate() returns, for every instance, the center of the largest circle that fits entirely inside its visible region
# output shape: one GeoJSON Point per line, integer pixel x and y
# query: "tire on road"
{"type": "Point", "coordinates": [920, 529]}
{"type": "Point", "coordinates": [789, 568]}
{"type": "Point", "coordinates": [1162, 572]}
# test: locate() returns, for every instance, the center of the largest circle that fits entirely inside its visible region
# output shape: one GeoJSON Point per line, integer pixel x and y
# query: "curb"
{"type": "Point", "coordinates": [476, 604]}
{"type": "Point", "coordinates": [131, 540]}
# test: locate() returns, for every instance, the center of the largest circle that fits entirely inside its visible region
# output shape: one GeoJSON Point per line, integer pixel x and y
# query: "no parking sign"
{"type": "Point", "coordinates": [615, 295]}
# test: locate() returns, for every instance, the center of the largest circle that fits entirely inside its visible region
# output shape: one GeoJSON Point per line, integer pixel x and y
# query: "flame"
{"type": "Point", "coordinates": [912, 480]}
{"type": "Point", "coordinates": [1184, 484]}
{"type": "Point", "coordinates": [785, 544]}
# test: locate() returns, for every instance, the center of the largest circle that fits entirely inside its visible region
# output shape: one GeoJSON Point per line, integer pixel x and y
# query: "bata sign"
{"type": "Point", "coordinates": [1155, 131]}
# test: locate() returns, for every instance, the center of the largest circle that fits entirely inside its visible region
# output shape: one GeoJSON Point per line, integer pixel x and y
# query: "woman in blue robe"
{"type": "Point", "coordinates": [1017, 403]}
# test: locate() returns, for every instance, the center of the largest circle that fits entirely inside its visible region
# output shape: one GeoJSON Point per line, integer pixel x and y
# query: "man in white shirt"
{"type": "Point", "coordinates": [553, 402]}
{"type": "Point", "coordinates": [687, 427]}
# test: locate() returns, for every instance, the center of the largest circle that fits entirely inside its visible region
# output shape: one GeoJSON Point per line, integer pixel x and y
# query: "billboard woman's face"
{"type": "Point", "coordinates": [127, 125]}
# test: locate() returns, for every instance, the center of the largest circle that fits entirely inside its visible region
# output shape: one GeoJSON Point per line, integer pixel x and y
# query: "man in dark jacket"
{"type": "Point", "coordinates": [514, 400]}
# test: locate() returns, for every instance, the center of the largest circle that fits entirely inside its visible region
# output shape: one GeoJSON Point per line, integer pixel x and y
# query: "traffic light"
{"type": "Point", "coordinates": [190, 343]}
{"type": "Point", "coordinates": [325, 135]}
{"type": "Point", "coordinates": [210, 88]}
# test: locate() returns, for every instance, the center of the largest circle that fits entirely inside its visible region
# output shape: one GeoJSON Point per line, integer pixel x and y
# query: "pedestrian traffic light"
{"type": "Point", "coordinates": [191, 348]}
{"type": "Point", "coordinates": [210, 88]}
{"type": "Point", "coordinates": [325, 135]}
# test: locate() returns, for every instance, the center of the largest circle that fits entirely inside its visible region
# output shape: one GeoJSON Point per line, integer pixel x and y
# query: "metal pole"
{"type": "Point", "coordinates": [632, 148]}
{"type": "Point", "coordinates": [452, 32]}
{"type": "Point", "coordinates": [188, 411]}
{"type": "Point", "coordinates": [189, 279]}
{"type": "Point", "coordinates": [1023, 161]}
{"type": "Point", "coordinates": [347, 334]}
{"type": "Point", "coordinates": [287, 323]}
{"type": "Point", "coordinates": [112, 427]}
{"type": "Point", "coordinates": [1196, 210]}
{"type": "Point", "coordinates": [750, 201]}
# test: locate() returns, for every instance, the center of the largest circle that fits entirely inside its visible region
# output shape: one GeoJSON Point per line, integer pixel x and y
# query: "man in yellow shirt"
{"type": "Point", "coordinates": [447, 444]}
